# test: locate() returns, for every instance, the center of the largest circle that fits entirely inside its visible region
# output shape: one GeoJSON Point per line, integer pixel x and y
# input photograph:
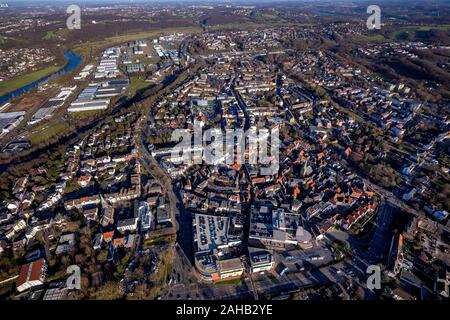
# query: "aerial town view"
{"type": "Point", "coordinates": [225, 150]}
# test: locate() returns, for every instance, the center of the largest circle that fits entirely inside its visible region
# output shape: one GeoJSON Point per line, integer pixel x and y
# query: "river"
{"type": "Point", "coordinates": [73, 61]}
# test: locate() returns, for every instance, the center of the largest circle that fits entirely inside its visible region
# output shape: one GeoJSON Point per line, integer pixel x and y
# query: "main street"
{"type": "Point", "coordinates": [266, 285]}
{"type": "Point", "coordinates": [182, 285]}
{"type": "Point", "coordinates": [181, 220]}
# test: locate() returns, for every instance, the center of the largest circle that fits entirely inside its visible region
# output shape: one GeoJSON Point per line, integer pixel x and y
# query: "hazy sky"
{"type": "Point", "coordinates": [379, 2]}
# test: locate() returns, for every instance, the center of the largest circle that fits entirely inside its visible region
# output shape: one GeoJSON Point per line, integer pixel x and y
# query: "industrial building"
{"type": "Point", "coordinates": [41, 114]}
{"type": "Point", "coordinates": [88, 105]}
{"type": "Point", "coordinates": [49, 107]}
{"type": "Point", "coordinates": [97, 95]}
{"type": "Point", "coordinates": [108, 66]}
{"type": "Point", "coordinates": [10, 120]}
{"type": "Point", "coordinates": [135, 67]}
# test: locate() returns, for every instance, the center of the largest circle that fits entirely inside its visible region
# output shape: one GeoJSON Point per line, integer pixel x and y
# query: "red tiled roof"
{"type": "Point", "coordinates": [108, 235]}
{"type": "Point", "coordinates": [119, 242]}
{"type": "Point", "coordinates": [30, 272]}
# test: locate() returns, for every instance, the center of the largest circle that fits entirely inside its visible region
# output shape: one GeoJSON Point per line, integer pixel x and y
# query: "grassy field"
{"type": "Point", "coordinates": [412, 30]}
{"type": "Point", "coordinates": [160, 240]}
{"type": "Point", "coordinates": [349, 113]}
{"type": "Point", "coordinates": [50, 35]}
{"type": "Point", "coordinates": [234, 26]}
{"type": "Point", "coordinates": [82, 115]}
{"type": "Point", "coordinates": [84, 49]}
{"type": "Point", "coordinates": [138, 84]}
{"type": "Point", "coordinates": [371, 38]}
{"type": "Point", "coordinates": [254, 25]}
{"type": "Point", "coordinates": [23, 80]}
{"type": "Point", "coordinates": [47, 131]}
{"type": "Point", "coordinates": [228, 282]}
{"type": "Point", "coordinates": [249, 25]}
{"type": "Point", "coordinates": [424, 28]}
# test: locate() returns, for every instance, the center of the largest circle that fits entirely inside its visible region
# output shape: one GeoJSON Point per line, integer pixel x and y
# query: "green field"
{"type": "Point", "coordinates": [371, 38]}
{"type": "Point", "coordinates": [235, 26]}
{"type": "Point", "coordinates": [254, 25]}
{"type": "Point", "coordinates": [138, 84]}
{"type": "Point", "coordinates": [23, 80]}
{"type": "Point", "coordinates": [85, 114]}
{"type": "Point", "coordinates": [50, 35]}
{"type": "Point", "coordinates": [46, 131]}
{"type": "Point", "coordinates": [424, 28]}
{"type": "Point", "coordinates": [228, 282]}
{"type": "Point", "coordinates": [412, 30]}
{"type": "Point", "coordinates": [83, 49]}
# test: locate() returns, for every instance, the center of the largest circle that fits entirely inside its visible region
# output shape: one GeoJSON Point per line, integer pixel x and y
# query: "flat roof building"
{"type": "Point", "coordinates": [273, 227]}
{"type": "Point", "coordinates": [230, 268]}
{"type": "Point", "coordinates": [10, 120]}
{"type": "Point", "coordinates": [89, 105]}
{"type": "Point", "coordinates": [260, 260]}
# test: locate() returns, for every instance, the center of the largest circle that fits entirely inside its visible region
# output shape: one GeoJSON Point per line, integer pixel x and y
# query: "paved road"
{"type": "Point", "coordinates": [265, 285]}
{"type": "Point", "coordinates": [379, 245]}
{"type": "Point", "coordinates": [387, 195]}
{"type": "Point", "coordinates": [8, 280]}
{"type": "Point", "coordinates": [373, 251]}
{"type": "Point", "coordinates": [184, 289]}
{"type": "Point", "coordinates": [180, 218]}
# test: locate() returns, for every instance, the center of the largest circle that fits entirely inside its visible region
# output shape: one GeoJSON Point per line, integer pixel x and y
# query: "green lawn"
{"type": "Point", "coordinates": [46, 131]}
{"type": "Point", "coordinates": [371, 38]}
{"type": "Point", "coordinates": [50, 35]}
{"type": "Point", "coordinates": [138, 84]}
{"type": "Point", "coordinates": [255, 25]}
{"type": "Point", "coordinates": [23, 80]}
{"type": "Point", "coordinates": [82, 115]}
{"type": "Point", "coordinates": [234, 26]}
{"type": "Point", "coordinates": [228, 282]}
{"type": "Point", "coordinates": [84, 49]}
{"type": "Point", "coordinates": [411, 30]}
{"type": "Point", "coordinates": [349, 113]}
